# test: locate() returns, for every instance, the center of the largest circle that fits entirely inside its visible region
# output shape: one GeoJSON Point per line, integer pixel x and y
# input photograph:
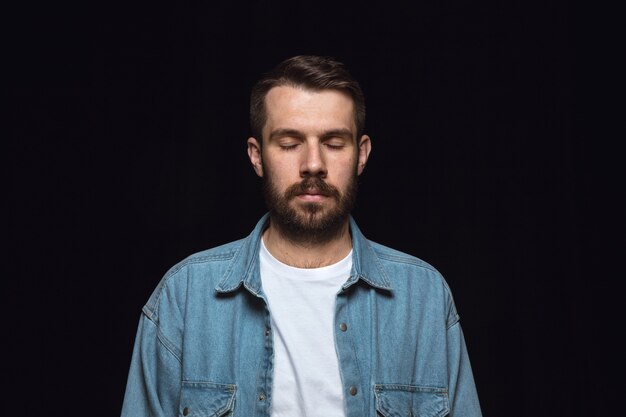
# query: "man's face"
{"type": "Point", "coordinates": [309, 160]}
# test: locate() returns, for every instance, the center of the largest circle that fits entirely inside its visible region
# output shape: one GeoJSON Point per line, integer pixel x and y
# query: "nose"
{"type": "Point", "coordinates": [313, 163]}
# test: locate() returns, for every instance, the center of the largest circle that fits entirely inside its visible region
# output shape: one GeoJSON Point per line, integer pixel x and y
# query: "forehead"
{"type": "Point", "coordinates": [288, 107]}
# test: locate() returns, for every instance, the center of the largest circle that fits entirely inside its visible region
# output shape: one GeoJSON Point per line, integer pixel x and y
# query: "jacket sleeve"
{"type": "Point", "coordinates": [153, 386]}
{"type": "Point", "coordinates": [461, 390]}
{"type": "Point", "coordinates": [154, 379]}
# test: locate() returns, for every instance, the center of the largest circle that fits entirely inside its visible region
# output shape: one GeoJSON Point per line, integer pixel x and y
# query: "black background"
{"type": "Point", "coordinates": [126, 153]}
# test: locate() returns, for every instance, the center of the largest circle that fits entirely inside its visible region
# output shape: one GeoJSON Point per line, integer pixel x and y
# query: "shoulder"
{"type": "Point", "coordinates": [417, 279]}
{"type": "Point", "coordinates": [208, 257]}
{"type": "Point", "coordinates": [390, 267]}
{"type": "Point", "coordinates": [395, 261]}
{"type": "Point", "coordinates": [394, 256]}
{"type": "Point", "coordinates": [198, 272]}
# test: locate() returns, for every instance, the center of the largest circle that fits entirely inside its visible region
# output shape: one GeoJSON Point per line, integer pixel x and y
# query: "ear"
{"type": "Point", "coordinates": [365, 147]}
{"type": "Point", "coordinates": [254, 153]}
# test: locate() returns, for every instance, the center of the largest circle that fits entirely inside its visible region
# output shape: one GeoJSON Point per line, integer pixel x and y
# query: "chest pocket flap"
{"type": "Point", "coordinates": [206, 399]}
{"type": "Point", "coordinates": [393, 400]}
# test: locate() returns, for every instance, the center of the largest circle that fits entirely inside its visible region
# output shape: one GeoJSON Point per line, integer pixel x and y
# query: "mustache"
{"type": "Point", "coordinates": [309, 183]}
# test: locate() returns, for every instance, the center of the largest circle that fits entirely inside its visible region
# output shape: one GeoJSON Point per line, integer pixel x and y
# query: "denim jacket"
{"type": "Point", "coordinates": [204, 343]}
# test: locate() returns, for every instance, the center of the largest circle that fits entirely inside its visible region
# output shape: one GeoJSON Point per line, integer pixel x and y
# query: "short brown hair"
{"type": "Point", "coordinates": [310, 72]}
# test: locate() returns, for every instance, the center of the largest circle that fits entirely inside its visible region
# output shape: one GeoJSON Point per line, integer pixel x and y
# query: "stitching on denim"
{"type": "Point", "coordinates": [382, 269]}
{"type": "Point", "coordinates": [454, 322]}
{"type": "Point", "coordinates": [452, 305]}
{"type": "Point", "coordinates": [251, 265]}
{"type": "Point", "coordinates": [209, 384]}
{"type": "Point", "coordinates": [177, 268]}
{"type": "Point", "coordinates": [409, 260]}
{"type": "Point", "coordinates": [167, 344]}
{"type": "Point", "coordinates": [234, 255]}
{"type": "Point", "coordinates": [200, 259]}
{"type": "Point", "coordinates": [386, 283]}
{"type": "Point", "coordinates": [147, 312]}
{"type": "Point", "coordinates": [231, 388]}
{"type": "Point", "coordinates": [410, 388]}
{"type": "Point", "coordinates": [351, 339]}
{"type": "Point", "coordinates": [441, 392]}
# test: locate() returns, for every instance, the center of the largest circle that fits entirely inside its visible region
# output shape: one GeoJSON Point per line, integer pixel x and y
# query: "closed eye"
{"type": "Point", "coordinates": [289, 146]}
{"type": "Point", "coordinates": [335, 145]}
{"type": "Point", "coordinates": [337, 140]}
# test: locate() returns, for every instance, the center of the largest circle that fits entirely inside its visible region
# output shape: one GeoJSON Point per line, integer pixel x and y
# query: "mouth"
{"type": "Point", "coordinates": [312, 194]}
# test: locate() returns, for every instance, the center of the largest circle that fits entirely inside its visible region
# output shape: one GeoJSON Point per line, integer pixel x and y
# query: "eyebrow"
{"type": "Point", "coordinates": [278, 133]}
{"type": "Point", "coordinates": [346, 133]}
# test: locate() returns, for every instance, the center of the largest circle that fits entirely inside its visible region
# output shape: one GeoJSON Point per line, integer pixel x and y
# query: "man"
{"type": "Point", "coordinates": [304, 317]}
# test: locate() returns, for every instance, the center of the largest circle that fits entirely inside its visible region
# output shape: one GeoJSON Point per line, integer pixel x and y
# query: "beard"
{"type": "Point", "coordinates": [309, 222]}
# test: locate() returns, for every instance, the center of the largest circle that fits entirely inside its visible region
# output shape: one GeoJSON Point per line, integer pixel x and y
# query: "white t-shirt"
{"type": "Point", "coordinates": [301, 301]}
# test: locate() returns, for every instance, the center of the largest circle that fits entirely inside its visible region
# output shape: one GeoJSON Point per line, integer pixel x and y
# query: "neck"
{"type": "Point", "coordinates": [307, 253]}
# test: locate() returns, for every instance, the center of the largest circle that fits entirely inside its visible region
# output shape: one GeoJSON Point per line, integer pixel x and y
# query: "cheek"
{"type": "Point", "coordinates": [280, 175]}
{"type": "Point", "coordinates": [346, 169]}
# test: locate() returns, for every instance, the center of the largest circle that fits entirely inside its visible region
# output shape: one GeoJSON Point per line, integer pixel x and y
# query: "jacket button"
{"type": "Point", "coordinates": [185, 411]}
{"type": "Point", "coordinates": [267, 332]}
{"type": "Point", "coordinates": [261, 397]}
{"type": "Point", "coordinates": [353, 390]}
{"type": "Point", "coordinates": [343, 327]}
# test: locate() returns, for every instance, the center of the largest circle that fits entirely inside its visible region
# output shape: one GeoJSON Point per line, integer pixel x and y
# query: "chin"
{"type": "Point", "coordinates": [310, 208]}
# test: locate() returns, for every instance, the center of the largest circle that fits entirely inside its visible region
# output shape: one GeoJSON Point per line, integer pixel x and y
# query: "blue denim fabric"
{"type": "Point", "coordinates": [204, 343]}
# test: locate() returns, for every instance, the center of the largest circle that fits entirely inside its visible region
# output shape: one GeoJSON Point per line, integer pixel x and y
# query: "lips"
{"type": "Point", "coordinates": [312, 195]}
{"type": "Point", "coordinates": [313, 191]}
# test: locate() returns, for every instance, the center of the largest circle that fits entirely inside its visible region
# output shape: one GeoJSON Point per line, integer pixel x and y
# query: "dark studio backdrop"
{"type": "Point", "coordinates": [126, 152]}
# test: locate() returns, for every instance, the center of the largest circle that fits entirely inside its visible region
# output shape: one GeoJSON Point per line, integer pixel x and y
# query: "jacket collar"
{"type": "Point", "coordinates": [244, 267]}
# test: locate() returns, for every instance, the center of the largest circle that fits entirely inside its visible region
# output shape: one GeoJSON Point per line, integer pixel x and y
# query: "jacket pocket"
{"type": "Point", "coordinates": [206, 399]}
{"type": "Point", "coordinates": [394, 400]}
